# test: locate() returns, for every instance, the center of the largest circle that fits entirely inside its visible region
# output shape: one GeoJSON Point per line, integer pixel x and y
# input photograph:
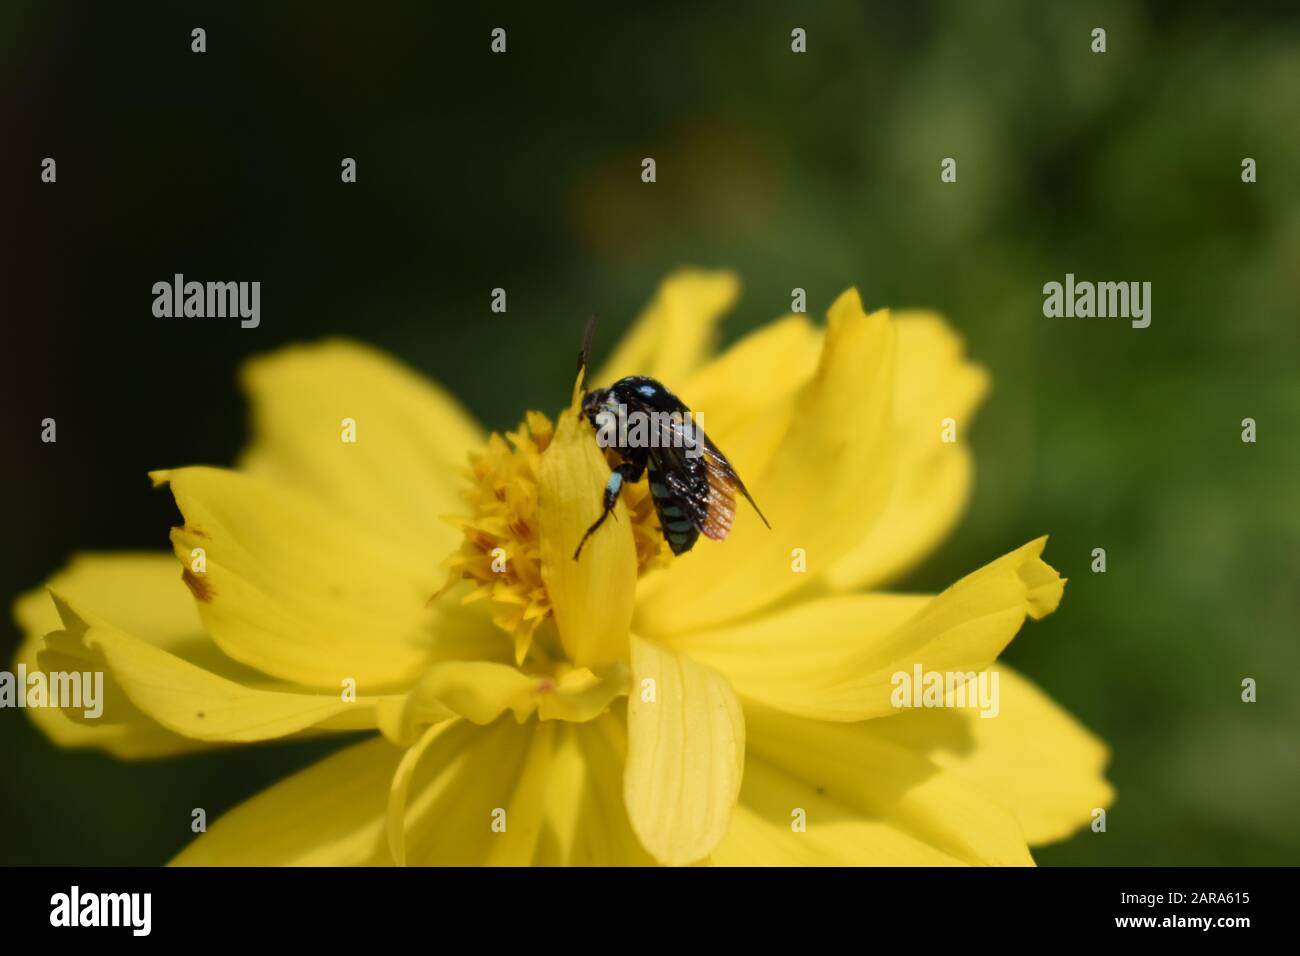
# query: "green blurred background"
{"type": "Point", "coordinates": [818, 170]}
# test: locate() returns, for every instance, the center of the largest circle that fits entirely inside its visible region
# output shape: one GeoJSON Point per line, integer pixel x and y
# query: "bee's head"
{"type": "Point", "coordinates": [594, 405]}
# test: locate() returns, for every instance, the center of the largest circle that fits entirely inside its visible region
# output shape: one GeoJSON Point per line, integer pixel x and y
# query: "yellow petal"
{"type": "Point", "coordinates": [934, 383]}
{"type": "Point", "coordinates": [139, 592]}
{"type": "Point", "coordinates": [831, 794]}
{"type": "Point", "coordinates": [747, 395]}
{"type": "Point", "coordinates": [762, 829]}
{"type": "Point", "coordinates": [481, 691]}
{"type": "Point", "coordinates": [821, 492]}
{"type": "Point", "coordinates": [298, 591]}
{"type": "Point", "coordinates": [185, 699]}
{"type": "Point", "coordinates": [582, 695]}
{"type": "Point", "coordinates": [141, 595]}
{"type": "Point", "coordinates": [592, 596]}
{"type": "Point", "coordinates": [399, 787]}
{"type": "Point", "coordinates": [331, 814]}
{"type": "Point", "coordinates": [526, 813]}
{"type": "Point", "coordinates": [835, 658]}
{"type": "Point", "coordinates": [676, 331]}
{"type": "Point", "coordinates": [400, 475]}
{"type": "Point", "coordinates": [1033, 757]}
{"type": "Point", "coordinates": [129, 734]}
{"type": "Point", "coordinates": [686, 754]}
{"type": "Point", "coordinates": [586, 820]}
{"type": "Point", "coordinates": [466, 779]}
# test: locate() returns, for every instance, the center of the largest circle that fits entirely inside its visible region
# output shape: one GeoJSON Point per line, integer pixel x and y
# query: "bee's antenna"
{"type": "Point", "coordinates": [585, 355]}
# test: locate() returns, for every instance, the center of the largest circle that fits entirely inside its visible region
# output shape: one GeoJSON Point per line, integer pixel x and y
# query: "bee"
{"type": "Point", "coordinates": [691, 482]}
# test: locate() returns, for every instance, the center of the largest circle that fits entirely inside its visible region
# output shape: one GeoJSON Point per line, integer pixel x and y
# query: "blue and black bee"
{"type": "Point", "coordinates": [692, 483]}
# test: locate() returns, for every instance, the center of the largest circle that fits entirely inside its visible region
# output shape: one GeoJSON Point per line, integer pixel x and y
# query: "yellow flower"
{"type": "Point", "coordinates": [733, 705]}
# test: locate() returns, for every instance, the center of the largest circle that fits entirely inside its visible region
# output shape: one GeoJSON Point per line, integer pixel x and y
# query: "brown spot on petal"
{"type": "Point", "coordinates": [197, 585]}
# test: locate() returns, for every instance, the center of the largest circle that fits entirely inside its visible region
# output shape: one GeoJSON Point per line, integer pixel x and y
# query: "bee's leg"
{"type": "Point", "coordinates": [633, 469]}
{"type": "Point", "coordinates": [628, 471]}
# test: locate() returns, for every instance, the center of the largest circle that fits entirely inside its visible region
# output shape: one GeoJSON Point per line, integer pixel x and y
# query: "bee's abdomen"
{"type": "Point", "coordinates": [678, 529]}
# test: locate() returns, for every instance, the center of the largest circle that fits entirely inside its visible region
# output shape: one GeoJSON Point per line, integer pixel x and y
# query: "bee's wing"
{"type": "Point", "coordinates": [710, 499]}
{"type": "Point", "coordinates": [707, 494]}
{"type": "Point", "coordinates": [686, 484]}
{"type": "Point", "coordinates": [724, 479]}
{"type": "Point", "coordinates": [721, 511]}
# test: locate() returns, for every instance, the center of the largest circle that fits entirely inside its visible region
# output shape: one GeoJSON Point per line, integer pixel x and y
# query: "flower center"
{"type": "Point", "coordinates": [501, 550]}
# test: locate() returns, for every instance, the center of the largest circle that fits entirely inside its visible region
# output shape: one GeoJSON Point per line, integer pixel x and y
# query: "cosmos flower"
{"type": "Point", "coordinates": [732, 705]}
